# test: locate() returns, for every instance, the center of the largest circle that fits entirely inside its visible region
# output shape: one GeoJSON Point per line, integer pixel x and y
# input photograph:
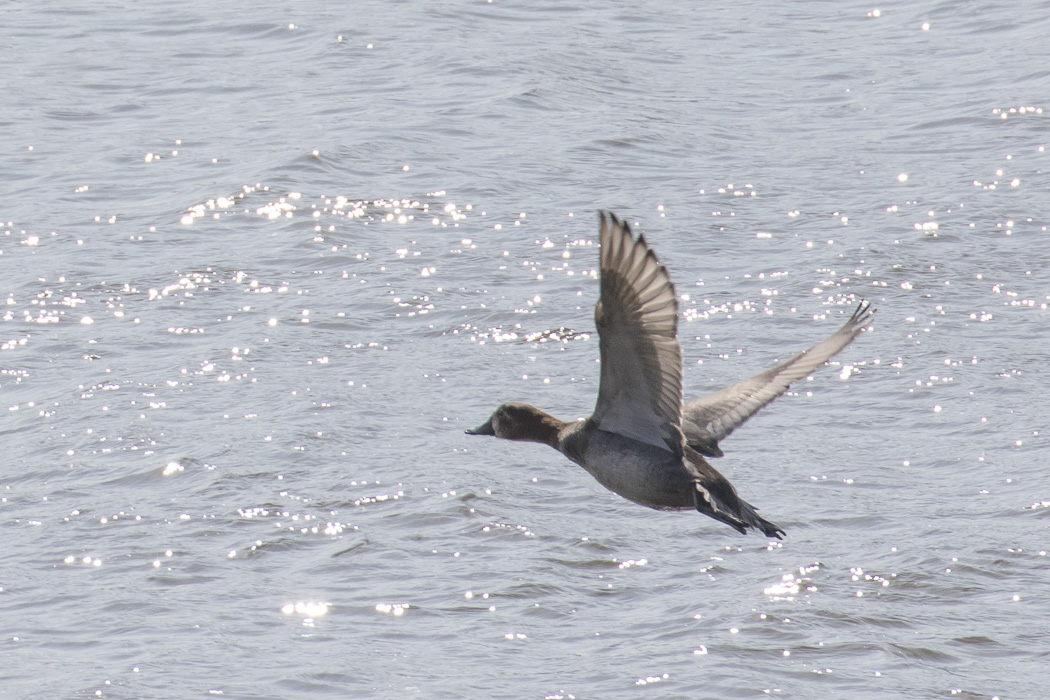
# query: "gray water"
{"type": "Point", "coordinates": [260, 267]}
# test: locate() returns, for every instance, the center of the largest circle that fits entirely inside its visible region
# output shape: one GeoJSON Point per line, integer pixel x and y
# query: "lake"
{"type": "Point", "coordinates": [262, 265]}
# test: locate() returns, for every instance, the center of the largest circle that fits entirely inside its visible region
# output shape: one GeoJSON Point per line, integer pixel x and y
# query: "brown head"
{"type": "Point", "coordinates": [520, 421]}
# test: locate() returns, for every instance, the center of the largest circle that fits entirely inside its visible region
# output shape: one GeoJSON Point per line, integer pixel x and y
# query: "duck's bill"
{"type": "Point", "coordinates": [483, 429]}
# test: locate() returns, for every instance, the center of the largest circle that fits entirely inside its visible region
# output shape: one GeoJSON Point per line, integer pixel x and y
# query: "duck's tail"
{"type": "Point", "coordinates": [732, 510]}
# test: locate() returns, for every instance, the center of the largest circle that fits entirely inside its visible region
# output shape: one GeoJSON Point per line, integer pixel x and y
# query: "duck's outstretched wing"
{"type": "Point", "coordinates": [707, 420]}
{"type": "Point", "coordinates": [640, 395]}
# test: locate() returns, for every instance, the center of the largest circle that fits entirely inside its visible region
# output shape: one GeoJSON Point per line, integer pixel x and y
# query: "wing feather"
{"type": "Point", "coordinates": [710, 418]}
{"type": "Point", "coordinates": [637, 318]}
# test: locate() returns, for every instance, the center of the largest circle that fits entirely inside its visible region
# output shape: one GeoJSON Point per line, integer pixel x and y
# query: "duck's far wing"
{"type": "Point", "coordinates": [640, 395]}
{"type": "Point", "coordinates": [707, 420]}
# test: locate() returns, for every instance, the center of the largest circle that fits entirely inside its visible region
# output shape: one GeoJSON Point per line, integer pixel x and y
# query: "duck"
{"type": "Point", "coordinates": [642, 441]}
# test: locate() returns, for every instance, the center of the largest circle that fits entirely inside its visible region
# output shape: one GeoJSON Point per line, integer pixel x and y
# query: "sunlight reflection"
{"type": "Point", "coordinates": [649, 680]}
{"type": "Point", "coordinates": [330, 209]}
{"type": "Point", "coordinates": [306, 609]}
{"type": "Point", "coordinates": [87, 561]}
{"type": "Point", "coordinates": [396, 609]}
{"type": "Point", "coordinates": [172, 468]}
{"type": "Point", "coordinates": [627, 564]}
{"type": "Point", "coordinates": [790, 584]}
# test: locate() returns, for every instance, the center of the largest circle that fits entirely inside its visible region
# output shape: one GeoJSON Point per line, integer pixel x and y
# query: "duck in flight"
{"type": "Point", "coordinates": [641, 442]}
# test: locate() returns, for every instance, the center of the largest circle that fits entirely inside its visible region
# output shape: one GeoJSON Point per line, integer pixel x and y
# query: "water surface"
{"type": "Point", "coordinates": [261, 267]}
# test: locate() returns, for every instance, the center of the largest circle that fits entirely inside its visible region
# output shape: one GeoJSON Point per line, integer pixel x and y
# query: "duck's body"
{"type": "Point", "coordinates": [653, 478]}
{"type": "Point", "coordinates": [637, 443]}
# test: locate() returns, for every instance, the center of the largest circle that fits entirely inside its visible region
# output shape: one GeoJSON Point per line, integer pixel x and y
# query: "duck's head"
{"type": "Point", "coordinates": [520, 421]}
